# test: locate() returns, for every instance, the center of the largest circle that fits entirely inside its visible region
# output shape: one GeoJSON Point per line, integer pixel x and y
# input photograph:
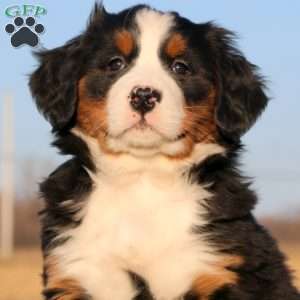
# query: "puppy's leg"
{"type": "Point", "coordinates": [207, 285]}
{"type": "Point", "coordinates": [104, 280]}
{"type": "Point", "coordinates": [65, 289]}
{"type": "Point", "coordinates": [57, 287]}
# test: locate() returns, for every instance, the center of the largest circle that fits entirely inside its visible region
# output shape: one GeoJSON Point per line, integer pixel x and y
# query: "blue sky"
{"type": "Point", "coordinates": [269, 36]}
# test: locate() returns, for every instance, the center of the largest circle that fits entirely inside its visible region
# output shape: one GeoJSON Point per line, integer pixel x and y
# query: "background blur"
{"type": "Point", "coordinates": [269, 36]}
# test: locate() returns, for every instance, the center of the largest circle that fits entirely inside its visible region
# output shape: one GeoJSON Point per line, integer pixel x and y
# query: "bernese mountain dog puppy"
{"type": "Point", "coordinates": [151, 108]}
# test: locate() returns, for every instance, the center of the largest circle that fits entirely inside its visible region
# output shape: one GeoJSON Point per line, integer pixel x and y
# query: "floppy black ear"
{"type": "Point", "coordinates": [54, 84]}
{"type": "Point", "coordinates": [241, 89]}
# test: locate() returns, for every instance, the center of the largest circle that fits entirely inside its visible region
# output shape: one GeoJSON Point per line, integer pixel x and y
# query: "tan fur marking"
{"type": "Point", "coordinates": [70, 288]}
{"type": "Point", "coordinates": [199, 122]}
{"type": "Point", "coordinates": [125, 42]}
{"type": "Point", "coordinates": [176, 45]}
{"type": "Point", "coordinates": [206, 284]}
{"type": "Point", "coordinates": [91, 113]}
{"type": "Point", "coordinates": [92, 116]}
{"type": "Point", "coordinates": [199, 125]}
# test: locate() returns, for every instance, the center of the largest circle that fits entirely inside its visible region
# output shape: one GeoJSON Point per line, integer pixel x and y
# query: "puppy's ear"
{"type": "Point", "coordinates": [53, 84]}
{"type": "Point", "coordinates": [241, 89]}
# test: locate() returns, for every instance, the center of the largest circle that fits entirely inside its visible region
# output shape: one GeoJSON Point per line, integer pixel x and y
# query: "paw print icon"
{"type": "Point", "coordinates": [24, 31]}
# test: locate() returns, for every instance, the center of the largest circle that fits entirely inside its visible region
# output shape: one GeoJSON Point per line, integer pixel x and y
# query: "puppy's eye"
{"type": "Point", "coordinates": [180, 67]}
{"type": "Point", "coordinates": [116, 64]}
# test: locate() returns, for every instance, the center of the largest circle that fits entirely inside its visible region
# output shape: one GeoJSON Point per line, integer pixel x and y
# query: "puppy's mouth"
{"type": "Point", "coordinates": [142, 126]}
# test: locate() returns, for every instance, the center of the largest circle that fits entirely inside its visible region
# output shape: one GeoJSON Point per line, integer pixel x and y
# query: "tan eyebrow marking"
{"type": "Point", "coordinates": [125, 42]}
{"type": "Point", "coordinates": [176, 45]}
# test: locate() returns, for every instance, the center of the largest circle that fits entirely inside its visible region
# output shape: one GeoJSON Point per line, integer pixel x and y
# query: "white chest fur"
{"type": "Point", "coordinates": [139, 222]}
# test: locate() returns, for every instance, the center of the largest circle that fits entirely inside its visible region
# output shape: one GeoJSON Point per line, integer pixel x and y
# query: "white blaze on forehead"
{"type": "Point", "coordinates": [153, 29]}
{"type": "Point", "coordinates": [148, 69]}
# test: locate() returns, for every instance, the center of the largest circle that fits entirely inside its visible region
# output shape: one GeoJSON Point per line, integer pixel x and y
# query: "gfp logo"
{"type": "Point", "coordinates": [24, 29]}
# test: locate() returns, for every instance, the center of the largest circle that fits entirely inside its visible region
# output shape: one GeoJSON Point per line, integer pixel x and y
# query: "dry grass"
{"type": "Point", "coordinates": [292, 252]}
{"type": "Point", "coordinates": [20, 276]}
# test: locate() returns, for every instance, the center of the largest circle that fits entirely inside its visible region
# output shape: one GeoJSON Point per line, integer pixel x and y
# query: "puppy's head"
{"type": "Point", "coordinates": [145, 82]}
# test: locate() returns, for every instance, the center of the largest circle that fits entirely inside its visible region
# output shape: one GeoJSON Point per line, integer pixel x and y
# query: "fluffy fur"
{"type": "Point", "coordinates": [152, 204]}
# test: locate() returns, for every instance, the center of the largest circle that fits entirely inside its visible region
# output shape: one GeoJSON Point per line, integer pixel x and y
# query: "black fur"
{"type": "Point", "coordinates": [53, 83]}
{"type": "Point", "coordinates": [234, 230]}
{"type": "Point", "coordinates": [242, 98]}
{"type": "Point", "coordinates": [143, 290]}
{"type": "Point", "coordinates": [63, 191]}
{"type": "Point", "coordinates": [69, 181]}
{"type": "Point", "coordinates": [213, 61]}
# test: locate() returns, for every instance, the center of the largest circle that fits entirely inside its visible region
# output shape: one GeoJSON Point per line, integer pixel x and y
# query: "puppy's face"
{"type": "Point", "coordinates": [145, 83]}
{"type": "Point", "coordinates": [146, 89]}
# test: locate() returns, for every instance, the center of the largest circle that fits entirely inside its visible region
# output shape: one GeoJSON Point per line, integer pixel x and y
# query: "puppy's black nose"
{"type": "Point", "coordinates": [144, 99]}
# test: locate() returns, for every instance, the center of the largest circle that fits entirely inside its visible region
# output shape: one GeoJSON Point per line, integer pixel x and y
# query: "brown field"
{"type": "Point", "coordinates": [20, 276]}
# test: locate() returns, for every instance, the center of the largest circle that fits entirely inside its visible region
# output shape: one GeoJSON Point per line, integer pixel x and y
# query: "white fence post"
{"type": "Point", "coordinates": [7, 197]}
